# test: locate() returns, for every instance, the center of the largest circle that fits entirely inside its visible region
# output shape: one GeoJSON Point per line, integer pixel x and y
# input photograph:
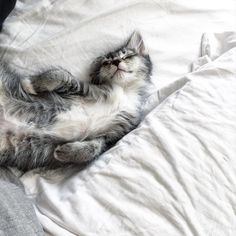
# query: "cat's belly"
{"type": "Point", "coordinates": [84, 121]}
{"type": "Point", "coordinates": [92, 119]}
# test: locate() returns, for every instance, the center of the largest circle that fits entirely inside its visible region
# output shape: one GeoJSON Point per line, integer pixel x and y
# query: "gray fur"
{"type": "Point", "coordinates": [33, 106]}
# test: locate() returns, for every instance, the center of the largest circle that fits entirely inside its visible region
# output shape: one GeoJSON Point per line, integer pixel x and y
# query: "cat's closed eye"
{"type": "Point", "coordinates": [128, 56]}
{"type": "Point", "coordinates": [105, 63]}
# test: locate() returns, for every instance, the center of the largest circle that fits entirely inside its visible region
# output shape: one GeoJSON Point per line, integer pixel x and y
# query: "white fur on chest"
{"type": "Point", "coordinates": [89, 119]}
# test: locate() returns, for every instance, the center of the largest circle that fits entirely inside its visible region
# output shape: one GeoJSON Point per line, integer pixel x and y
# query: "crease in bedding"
{"type": "Point", "coordinates": [52, 30]}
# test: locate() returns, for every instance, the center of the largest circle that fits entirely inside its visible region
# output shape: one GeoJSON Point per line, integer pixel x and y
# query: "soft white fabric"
{"type": "Point", "coordinates": [70, 33]}
{"type": "Point", "coordinates": [174, 175]}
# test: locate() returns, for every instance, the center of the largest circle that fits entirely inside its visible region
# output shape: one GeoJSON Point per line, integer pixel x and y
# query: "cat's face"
{"type": "Point", "coordinates": [126, 65]}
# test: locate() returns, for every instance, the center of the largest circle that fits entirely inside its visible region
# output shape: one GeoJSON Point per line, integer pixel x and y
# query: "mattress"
{"type": "Point", "coordinates": [175, 173]}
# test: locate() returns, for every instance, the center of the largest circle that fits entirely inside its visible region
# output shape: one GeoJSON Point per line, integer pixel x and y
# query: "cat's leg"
{"type": "Point", "coordinates": [57, 79]}
{"type": "Point", "coordinates": [27, 150]}
{"type": "Point", "coordinates": [80, 152]}
{"type": "Point", "coordinates": [63, 82]}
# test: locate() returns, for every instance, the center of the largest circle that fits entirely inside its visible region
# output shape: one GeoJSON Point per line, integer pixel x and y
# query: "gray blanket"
{"type": "Point", "coordinates": [17, 216]}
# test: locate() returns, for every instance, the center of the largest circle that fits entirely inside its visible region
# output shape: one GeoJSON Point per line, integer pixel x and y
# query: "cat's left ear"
{"type": "Point", "coordinates": [136, 42]}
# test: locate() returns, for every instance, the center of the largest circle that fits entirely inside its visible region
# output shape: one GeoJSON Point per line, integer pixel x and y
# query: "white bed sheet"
{"type": "Point", "coordinates": [70, 33]}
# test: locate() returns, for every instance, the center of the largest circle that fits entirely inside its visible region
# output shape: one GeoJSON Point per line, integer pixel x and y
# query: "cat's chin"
{"type": "Point", "coordinates": [120, 74]}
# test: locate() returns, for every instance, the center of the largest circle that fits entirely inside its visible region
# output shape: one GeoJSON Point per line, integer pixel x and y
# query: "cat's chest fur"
{"type": "Point", "coordinates": [88, 119]}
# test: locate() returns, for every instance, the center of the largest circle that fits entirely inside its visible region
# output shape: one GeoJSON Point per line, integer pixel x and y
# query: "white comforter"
{"type": "Point", "coordinates": [176, 173]}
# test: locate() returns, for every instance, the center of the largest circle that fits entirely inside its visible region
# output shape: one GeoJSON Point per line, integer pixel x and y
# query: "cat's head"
{"type": "Point", "coordinates": [128, 64]}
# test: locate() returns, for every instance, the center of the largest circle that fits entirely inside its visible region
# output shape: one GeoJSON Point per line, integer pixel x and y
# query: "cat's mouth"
{"type": "Point", "coordinates": [121, 70]}
{"type": "Point", "coordinates": [127, 71]}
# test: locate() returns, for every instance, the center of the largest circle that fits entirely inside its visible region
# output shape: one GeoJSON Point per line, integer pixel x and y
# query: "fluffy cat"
{"type": "Point", "coordinates": [52, 118]}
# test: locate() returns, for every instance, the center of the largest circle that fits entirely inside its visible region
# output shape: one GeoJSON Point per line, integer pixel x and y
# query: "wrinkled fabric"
{"type": "Point", "coordinates": [71, 33]}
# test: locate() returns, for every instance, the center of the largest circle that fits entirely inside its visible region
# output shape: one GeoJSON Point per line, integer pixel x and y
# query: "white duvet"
{"type": "Point", "coordinates": [176, 173]}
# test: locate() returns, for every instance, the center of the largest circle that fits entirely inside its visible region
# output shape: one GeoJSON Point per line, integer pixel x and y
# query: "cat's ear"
{"type": "Point", "coordinates": [95, 68]}
{"type": "Point", "coordinates": [136, 42]}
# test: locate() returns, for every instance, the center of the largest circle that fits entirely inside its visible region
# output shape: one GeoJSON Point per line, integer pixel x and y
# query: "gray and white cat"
{"type": "Point", "coordinates": [52, 118]}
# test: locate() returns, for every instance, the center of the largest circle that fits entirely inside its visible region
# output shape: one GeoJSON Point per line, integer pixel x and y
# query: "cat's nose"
{"type": "Point", "coordinates": [116, 62]}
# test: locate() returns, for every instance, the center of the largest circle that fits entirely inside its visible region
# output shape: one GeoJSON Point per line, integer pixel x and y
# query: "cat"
{"type": "Point", "coordinates": [52, 118]}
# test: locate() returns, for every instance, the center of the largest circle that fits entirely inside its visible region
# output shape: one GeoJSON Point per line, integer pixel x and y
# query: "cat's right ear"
{"type": "Point", "coordinates": [136, 42]}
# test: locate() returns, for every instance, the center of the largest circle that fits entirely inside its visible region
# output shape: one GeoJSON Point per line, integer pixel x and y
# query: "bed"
{"type": "Point", "coordinates": [176, 173]}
